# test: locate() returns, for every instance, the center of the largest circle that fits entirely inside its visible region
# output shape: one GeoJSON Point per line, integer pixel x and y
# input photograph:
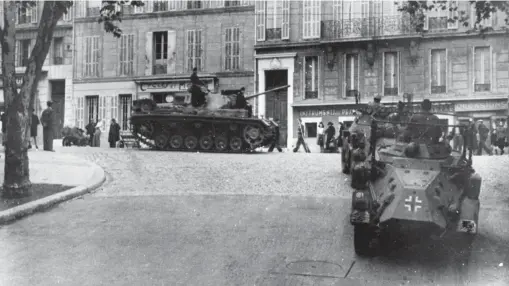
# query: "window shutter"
{"type": "Point", "coordinates": [337, 11]}
{"type": "Point", "coordinates": [285, 25]}
{"type": "Point", "coordinates": [114, 107]}
{"type": "Point", "coordinates": [34, 12]}
{"type": "Point", "coordinates": [149, 6]}
{"type": "Point", "coordinates": [138, 10]}
{"type": "Point", "coordinates": [172, 43]}
{"type": "Point", "coordinates": [452, 4]}
{"type": "Point", "coordinates": [260, 19]}
{"type": "Point", "coordinates": [17, 54]}
{"type": "Point", "coordinates": [311, 20]}
{"type": "Point", "coordinates": [97, 55]}
{"type": "Point", "coordinates": [130, 54]}
{"type": "Point", "coordinates": [148, 53]}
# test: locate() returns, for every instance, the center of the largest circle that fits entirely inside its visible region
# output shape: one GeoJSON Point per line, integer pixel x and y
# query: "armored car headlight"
{"type": "Point", "coordinates": [359, 195]}
{"type": "Point", "coordinates": [169, 98]}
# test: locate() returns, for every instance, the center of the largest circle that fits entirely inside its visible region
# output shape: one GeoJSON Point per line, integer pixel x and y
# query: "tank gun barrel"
{"type": "Point", "coordinates": [267, 91]}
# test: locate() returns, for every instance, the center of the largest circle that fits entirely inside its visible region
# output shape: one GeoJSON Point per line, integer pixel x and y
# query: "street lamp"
{"type": "Point", "coordinates": [330, 55]}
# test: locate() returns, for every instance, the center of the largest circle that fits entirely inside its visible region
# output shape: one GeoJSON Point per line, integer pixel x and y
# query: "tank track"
{"type": "Point", "coordinates": [215, 135]}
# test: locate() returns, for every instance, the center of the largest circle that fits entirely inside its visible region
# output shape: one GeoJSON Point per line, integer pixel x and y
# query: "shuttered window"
{"type": "Point", "coordinates": [232, 49]}
{"type": "Point", "coordinates": [482, 68]}
{"type": "Point", "coordinates": [352, 74]}
{"type": "Point", "coordinates": [194, 50]}
{"type": "Point", "coordinates": [311, 19]}
{"type": "Point", "coordinates": [438, 71]}
{"type": "Point", "coordinates": [391, 73]}
{"type": "Point", "coordinates": [79, 112]}
{"type": "Point", "coordinates": [27, 14]}
{"type": "Point", "coordinates": [260, 10]}
{"type": "Point", "coordinates": [126, 55]}
{"type": "Point", "coordinates": [91, 53]}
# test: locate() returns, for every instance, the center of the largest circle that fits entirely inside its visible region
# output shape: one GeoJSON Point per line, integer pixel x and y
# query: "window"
{"type": "Point", "coordinates": [276, 19]}
{"type": "Point", "coordinates": [160, 6]}
{"type": "Point", "coordinates": [482, 68]}
{"type": "Point", "coordinates": [126, 55]}
{"type": "Point", "coordinates": [58, 51]}
{"type": "Point", "coordinates": [310, 77]}
{"type": "Point", "coordinates": [438, 19]}
{"type": "Point", "coordinates": [311, 129]}
{"type": "Point", "coordinates": [79, 112]}
{"type": "Point", "coordinates": [68, 17]}
{"type": "Point", "coordinates": [27, 14]}
{"type": "Point", "coordinates": [438, 71]}
{"type": "Point", "coordinates": [91, 56]}
{"type": "Point", "coordinates": [92, 109]}
{"type": "Point", "coordinates": [23, 52]}
{"type": "Point", "coordinates": [93, 8]}
{"type": "Point", "coordinates": [351, 74]}
{"type": "Point", "coordinates": [161, 45]}
{"type": "Point", "coordinates": [231, 3]}
{"type": "Point", "coordinates": [391, 73]}
{"type": "Point", "coordinates": [311, 20]}
{"type": "Point", "coordinates": [125, 111]}
{"type": "Point", "coordinates": [260, 10]}
{"type": "Point", "coordinates": [194, 50]}
{"type": "Point", "coordinates": [232, 49]}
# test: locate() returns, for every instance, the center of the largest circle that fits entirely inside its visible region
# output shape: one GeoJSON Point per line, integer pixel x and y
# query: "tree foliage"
{"type": "Point", "coordinates": [482, 10]}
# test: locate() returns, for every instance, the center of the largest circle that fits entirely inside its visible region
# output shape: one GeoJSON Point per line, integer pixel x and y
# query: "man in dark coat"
{"type": "Point", "coordinates": [241, 102]}
{"type": "Point", "coordinates": [275, 143]}
{"type": "Point", "coordinates": [483, 136]}
{"type": "Point", "coordinates": [47, 127]}
{"type": "Point", "coordinates": [114, 134]}
{"type": "Point", "coordinates": [90, 128]}
{"type": "Point", "coordinates": [197, 95]}
{"type": "Point", "coordinates": [33, 130]}
{"type": "Point", "coordinates": [330, 132]}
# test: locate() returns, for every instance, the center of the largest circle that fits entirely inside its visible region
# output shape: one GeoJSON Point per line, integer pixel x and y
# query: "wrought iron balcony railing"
{"type": "Point", "coordinates": [366, 27]}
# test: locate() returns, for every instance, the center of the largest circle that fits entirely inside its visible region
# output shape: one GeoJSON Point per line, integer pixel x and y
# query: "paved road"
{"type": "Point", "coordinates": [166, 218]}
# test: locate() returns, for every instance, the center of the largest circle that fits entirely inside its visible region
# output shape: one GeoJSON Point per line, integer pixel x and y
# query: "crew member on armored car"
{"type": "Point", "coordinates": [376, 104]}
{"type": "Point", "coordinates": [426, 124]}
{"type": "Point", "coordinates": [197, 95]}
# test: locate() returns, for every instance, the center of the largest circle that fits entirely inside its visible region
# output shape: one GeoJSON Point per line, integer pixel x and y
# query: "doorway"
{"type": "Point", "coordinates": [276, 102]}
{"type": "Point", "coordinates": [125, 111]}
{"type": "Point", "coordinates": [58, 98]}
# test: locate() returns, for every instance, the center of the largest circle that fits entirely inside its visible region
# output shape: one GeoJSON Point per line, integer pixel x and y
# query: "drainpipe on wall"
{"type": "Point", "coordinates": [255, 100]}
{"type": "Point", "coordinates": [73, 57]}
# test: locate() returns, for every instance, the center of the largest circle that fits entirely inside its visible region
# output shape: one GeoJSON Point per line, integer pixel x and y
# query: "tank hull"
{"type": "Point", "coordinates": [204, 133]}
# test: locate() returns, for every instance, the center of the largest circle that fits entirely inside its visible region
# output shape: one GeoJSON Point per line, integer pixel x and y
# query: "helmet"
{"type": "Point", "coordinates": [378, 96]}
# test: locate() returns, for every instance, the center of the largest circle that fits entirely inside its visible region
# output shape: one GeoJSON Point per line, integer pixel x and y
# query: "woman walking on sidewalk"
{"type": "Point", "coordinates": [33, 130]}
{"type": "Point", "coordinates": [320, 141]}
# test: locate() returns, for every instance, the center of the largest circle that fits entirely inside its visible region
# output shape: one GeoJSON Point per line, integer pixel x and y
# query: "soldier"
{"type": "Point", "coordinates": [501, 132]}
{"type": "Point", "coordinates": [275, 143]}
{"type": "Point", "coordinates": [240, 102]}
{"type": "Point", "coordinates": [483, 136]}
{"type": "Point", "coordinates": [424, 124]}
{"type": "Point", "coordinates": [376, 104]}
{"type": "Point", "coordinates": [197, 95]}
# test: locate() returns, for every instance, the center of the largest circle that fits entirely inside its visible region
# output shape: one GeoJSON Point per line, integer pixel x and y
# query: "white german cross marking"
{"type": "Point", "coordinates": [413, 203]}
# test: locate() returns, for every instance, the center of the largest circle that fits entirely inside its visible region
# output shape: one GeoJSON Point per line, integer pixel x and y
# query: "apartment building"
{"type": "Point", "coordinates": [161, 43]}
{"type": "Point", "coordinates": [331, 51]}
{"type": "Point", "coordinates": [56, 81]}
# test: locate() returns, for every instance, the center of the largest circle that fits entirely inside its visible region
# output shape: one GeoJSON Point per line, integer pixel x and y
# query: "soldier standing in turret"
{"type": "Point", "coordinates": [197, 95]}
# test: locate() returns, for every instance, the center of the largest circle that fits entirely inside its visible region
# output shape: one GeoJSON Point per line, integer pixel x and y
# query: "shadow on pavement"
{"type": "Point", "coordinates": [38, 191]}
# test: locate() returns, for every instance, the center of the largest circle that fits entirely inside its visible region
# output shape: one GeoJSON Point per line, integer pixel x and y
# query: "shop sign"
{"type": "Point", "coordinates": [19, 81]}
{"type": "Point", "coordinates": [481, 106]}
{"type": "Point", "coordinates": [326, 112]}
{"type": "Point", "coordinates": [166, 85]}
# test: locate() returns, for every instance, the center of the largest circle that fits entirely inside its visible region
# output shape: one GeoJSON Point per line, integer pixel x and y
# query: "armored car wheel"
{"type": "Point", "coordinates": [191, 142]}
{"type": "Point", "coordinates": [362, 240]}
{"type": "Point", "coordinates": [221, 143]}
{"type": "Point", "coordinates": [235, 143]}
{"type": "Point", "coordinates": [206, 142]}
{"type": "Point", "coordinates": [176, 141]}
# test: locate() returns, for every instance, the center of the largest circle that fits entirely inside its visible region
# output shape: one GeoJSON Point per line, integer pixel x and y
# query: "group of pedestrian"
{"type": "Point", "coordinates": [93, 130]}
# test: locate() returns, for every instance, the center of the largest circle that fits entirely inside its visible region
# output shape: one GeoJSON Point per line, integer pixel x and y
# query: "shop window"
{"type": "Point", "coordinates": [311, 129]}
{"type": "Point", "coordinates": [482, 68]}
{"type": "Point", "coordinates": [352, 74]}
{"type": "Point", "coordinates": [438, 71]}
{"type": "Point", "coordinates": [391, 73]}
{"type": "Point", "coordinates": [311, 77]}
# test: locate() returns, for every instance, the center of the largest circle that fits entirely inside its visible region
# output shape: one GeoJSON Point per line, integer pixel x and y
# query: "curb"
{"type": "Point", "coordinates": [97, 179]}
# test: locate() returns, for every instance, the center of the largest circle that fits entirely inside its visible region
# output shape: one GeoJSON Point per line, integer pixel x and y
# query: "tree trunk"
{"type": "Point", "coordinates": [17, 174]}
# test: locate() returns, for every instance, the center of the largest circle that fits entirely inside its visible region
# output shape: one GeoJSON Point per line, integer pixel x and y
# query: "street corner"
{"type": "Point", "coordinates": [59, 169]}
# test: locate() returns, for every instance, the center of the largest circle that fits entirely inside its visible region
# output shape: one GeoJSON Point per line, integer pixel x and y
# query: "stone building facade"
{"type": "Point", "coordinates": [56, 81]}
{"type": "Point", "coordinates": [331, 51]}
{"type": "Point", "coordinates": [160, 45]}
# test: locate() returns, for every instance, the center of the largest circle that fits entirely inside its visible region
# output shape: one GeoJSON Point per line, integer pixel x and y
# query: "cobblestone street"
{"type": "Point", "coordinates": [171, 218]}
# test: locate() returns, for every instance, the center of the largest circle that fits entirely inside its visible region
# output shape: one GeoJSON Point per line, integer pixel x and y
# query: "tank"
{"type": "Point", "coordinates": [216, 127]}
{"type": "Point", "coordinates": [404, 185]}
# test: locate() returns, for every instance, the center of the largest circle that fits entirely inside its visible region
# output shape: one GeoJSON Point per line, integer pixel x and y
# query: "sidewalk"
{"type": "Point", "coordinates": [54, 168]}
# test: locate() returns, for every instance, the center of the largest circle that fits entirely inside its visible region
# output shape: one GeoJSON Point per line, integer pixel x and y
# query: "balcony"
{"type": "Point", "coordinates": [273, 34]}
{"type": "Point", "coordinates": [366, 28]}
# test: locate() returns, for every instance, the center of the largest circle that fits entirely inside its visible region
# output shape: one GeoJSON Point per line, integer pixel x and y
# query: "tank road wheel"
{"type": "Point", "coordinates": [235, 143]}
{"type": "Point", "coordinates": [206, 142]}
{"type": "Point", "coordinates": [221, 143]}
{"type": "Point", "coordinates": [191, 142]}
{"type": "Point", "coordinates": [253, 135]}
{"type": "Point", "coordinates": [362, 240]}
{"type": "Point", "coordinates": [161, 140]}
{"type": "Point", "coordinates": [176, 141]}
